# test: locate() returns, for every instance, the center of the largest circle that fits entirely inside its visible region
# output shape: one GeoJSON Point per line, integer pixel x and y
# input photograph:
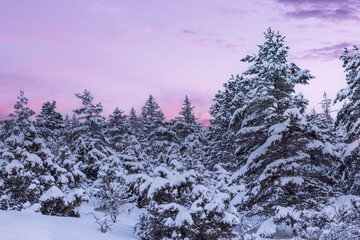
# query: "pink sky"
{"type": "Point", "coordinates": [122, 51]}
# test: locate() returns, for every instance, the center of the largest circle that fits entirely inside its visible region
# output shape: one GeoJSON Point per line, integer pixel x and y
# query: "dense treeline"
{"type": "Point", "coordinates": [264, 168]}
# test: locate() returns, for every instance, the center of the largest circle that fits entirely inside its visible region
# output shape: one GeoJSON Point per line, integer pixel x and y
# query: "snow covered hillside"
{"type": "Point", "coordinates": [16, 225]}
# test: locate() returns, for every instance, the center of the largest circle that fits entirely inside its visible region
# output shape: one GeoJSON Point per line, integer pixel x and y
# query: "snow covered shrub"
{"type": "Point", "coordinates": [56, 203]}
{"type": "Point", "coordinates": [111, 188]}
{"type": "Point", "coordinates": [138, 186]}
{"type": "Point", "coordinates": [338, 220]}
{"type": "Point", "coordinates": [67, 171]}
{"type": "Point", "coordinates": [133, 156]}
{"type": "Point", "coordinates": [104, 222]}
{"type": "Point", "coordinates": [181, 208]}
{"type": "Point", "coordinates": [53, 202]}
{"type": "Point", "coordinates": [213, 215]}
{"type": "Point", "coordinates": [344, 218]}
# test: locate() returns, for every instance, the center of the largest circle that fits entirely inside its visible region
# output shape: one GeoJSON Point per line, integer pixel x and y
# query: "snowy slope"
{"type": "Point", "coordinates": [32, 226]}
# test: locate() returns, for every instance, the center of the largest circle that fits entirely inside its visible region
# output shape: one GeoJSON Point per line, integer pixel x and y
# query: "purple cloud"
{"type": "Point", "coordinates": [231, 11]}
{"type": "Point", "coordinates": [209, 40]}
{"type": "Point", "coordinates": [325, 14]}
{"type": "Point", "coordinates": [297, 2]}
{"type": "Point", "coordinates": [333, 10]}
{"type": "Point", "coordinates": [188, 32]}
{"type": "Point", "coordinates": [327, 53]}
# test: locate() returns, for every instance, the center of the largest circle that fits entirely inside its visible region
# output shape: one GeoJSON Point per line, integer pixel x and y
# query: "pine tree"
{"type": "Point", "coordinates": [133, 157]}
{"type": "Point", "coordinates": [90, 114]}
{"type": "Point", "coordinates": [347, 119]}
{"type": "Point", "coordinates": [323, 121]}
{"type": "Point", "coordinates": [136, 126]}
{"type": "Point", "coordinates": [269, 95]}
{"type": "Point", "coordinates": [6, 127]}
{"type": "Point", "coordinates": [28, 162]}
{"type": "Point", "coordinates": [71, 129]}
{"type": "Point", "coordinates": [223, 127]}
{"type": "Point", "coordinates": [151, 110]}
{"type": "Point", "coordinates": [192, 151]}
{"type": "Point", "coordinates": [90, 144]}
{"type": "Point", "coordinates": [185, 125]}
{"type": "Point", "coordinates": [287, 162]}
{"type": "Point", "coordinates": [151, 114]}
{"type": "Point", "coordinates": [68, 170]}
{"type": "Point", "coordinates": [348, 115]}
{"type": "Point", "coordinates": [159, 135]}
{"type": "Point", "coordinates": [187, 111]}
{"type": "Point", "coordinates": [159, 140]}
{"type": "Point", "coordinates": [49, 125]}
{"type": "Point", "coordinates": [117, 129]}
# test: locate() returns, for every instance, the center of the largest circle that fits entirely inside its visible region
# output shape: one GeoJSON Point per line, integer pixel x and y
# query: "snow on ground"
{"type": "Point", "coordinates": [16, 225]}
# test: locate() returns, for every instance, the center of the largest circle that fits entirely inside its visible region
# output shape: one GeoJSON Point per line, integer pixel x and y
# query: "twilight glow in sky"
{"type": "Point", "coordinates": [122, 51]}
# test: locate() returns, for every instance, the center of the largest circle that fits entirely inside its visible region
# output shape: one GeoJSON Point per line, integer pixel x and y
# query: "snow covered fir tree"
{"type": "Point", "coordinates": [267, 167]}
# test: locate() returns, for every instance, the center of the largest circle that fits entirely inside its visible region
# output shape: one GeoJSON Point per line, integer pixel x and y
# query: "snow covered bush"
{"type": "Point", "coordinates": [104, 222]}
{"type": "Point", "coordinates": [133, 157]}
{"type": "Point", "coordinates": [181, 208]}
{"type": "Point", "coordinates": [56, 203]}
{"type": "Point", "coordinates": [111, 188]}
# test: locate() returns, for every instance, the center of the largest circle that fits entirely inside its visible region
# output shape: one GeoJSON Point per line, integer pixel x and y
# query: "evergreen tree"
{"type": "Point", "coordinates": [6, 127]}
{"type": "Point", "coordinates": [159, 140]}
{"type": "Point", "coordinates": [187, 111]}
{"type": "Point", "coordinates": [287, 162]}
{"type": "Point", "coordinates": [90, 115]}
{"type": "Point", "coordinates": [117, 129]}
{"type": "Point", "coordinates": [151, 114]}
{"type": "Point", "coordinates": [159, 135]}
{"type": "Point", "coordinates": [90, 144]}
{"type": "Point", "coordinates": [222, 132]}
{"type": "Point", "coordinates": [192, 151]}
{"type": "Point", "coordinates": [186, 124]}
{"type": "Point", "coordinates": [136, 126]}
{"type": "Point", "coordinates": [68, 170]}
{"type": "Point", "coordinates": [71, 128]}
{"type": "Point", "coordinates": [323, 121]}
{"type": "Point", "coordinates": [27, 162]}
{"type": "Point", "coordinates": [151, 110]}
{"type": "Point", "coordinates": [347, 119]}
{"type": "Point", "coordinates": [133, 157]}
{"type": "Point", "coordinates": [348, 116]}
{"type": "Point", "coordinates": [49, 125]}
{"type": "Point", "coordinates": [270, 94]}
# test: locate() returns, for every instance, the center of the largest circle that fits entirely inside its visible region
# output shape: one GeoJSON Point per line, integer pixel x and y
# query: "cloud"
{"type": "Point", "coordinates": [302, 2]}
{"type": "Point", "coordinates": [329, 10]}
{"type": "Point", "coordinates": [188, 32]}
{"type": "Point", "coordinates": [209, 40]}
{"type": "Point", "coordinates": [325, 14]}
{"type": "Point", "coordinates": [231, 11]}
{"type": "Point", "coordinates": [326, 53]}
{"type": "Point", "coordinates": [101, 7]}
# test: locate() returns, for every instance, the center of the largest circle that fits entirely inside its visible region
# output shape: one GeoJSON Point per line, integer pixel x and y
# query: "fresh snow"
{"type": "Point", "coordinates": [33, 159]}
{"type": "Point", "coordinates": [351, 147]}
{"type": "Point", "coordinates": [183, 217]}
{"type": "Point", "coordinates": [16, 225]}
{"type": "Point", "coordinates": [267, 228]}
{"type": "Point", "coordinates": [295, 180]}
{"type": "Point", "coordinates": [257, 153]}
{"type": "Point", "coordinates": [52, 193]}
